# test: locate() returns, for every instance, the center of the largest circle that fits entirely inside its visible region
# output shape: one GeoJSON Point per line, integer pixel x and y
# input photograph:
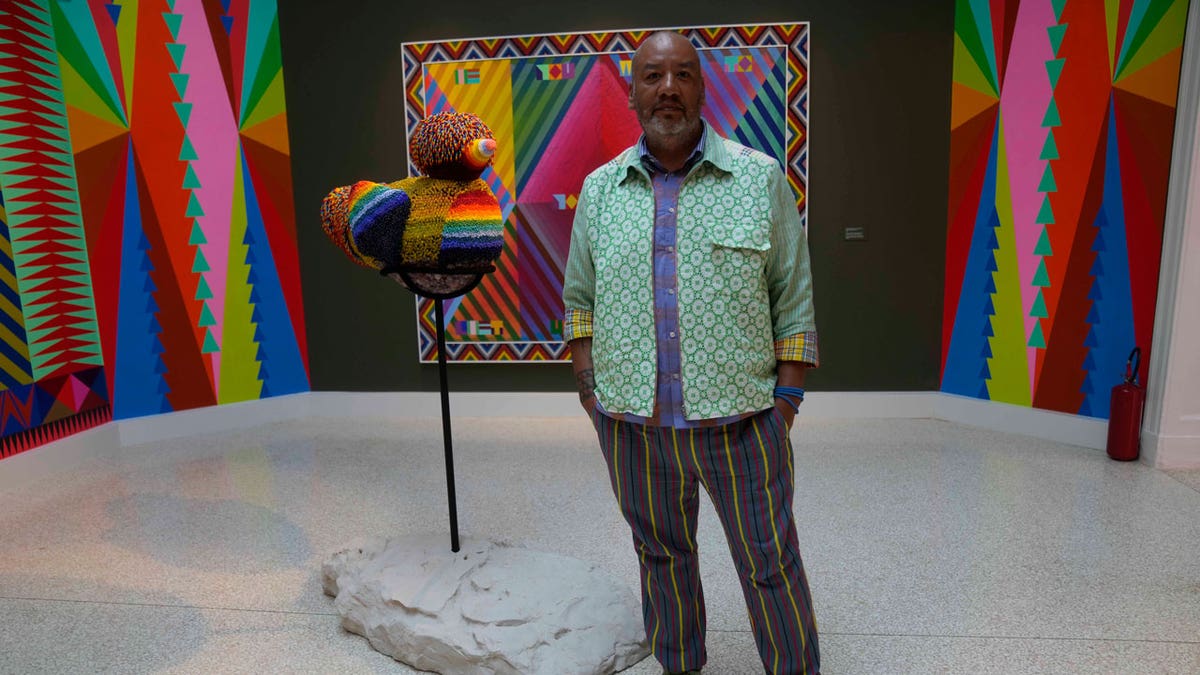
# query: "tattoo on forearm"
{"type": "Point", "coordinates": [586, 382]}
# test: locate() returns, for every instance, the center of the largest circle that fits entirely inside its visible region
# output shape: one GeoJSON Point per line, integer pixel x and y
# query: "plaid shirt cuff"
{"type": "Point", "coordinates": [801, 347]}
{"type": "Point", "coordinates": [577, 324]}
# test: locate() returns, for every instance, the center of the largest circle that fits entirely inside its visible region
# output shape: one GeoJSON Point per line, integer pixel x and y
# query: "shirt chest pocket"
{"type": "Point", "coordinates": [739, 251]}
{"type": "Point", "coordinates": [735, 222]}
{"type": "Point", "coordinates": [752, 234]}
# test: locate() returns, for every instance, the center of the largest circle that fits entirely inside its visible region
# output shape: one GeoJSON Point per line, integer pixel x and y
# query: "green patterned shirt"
{"type": "Point", "coordinates": [743, 276]}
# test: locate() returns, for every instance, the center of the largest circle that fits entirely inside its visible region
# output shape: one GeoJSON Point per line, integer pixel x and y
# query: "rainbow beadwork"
{"type": "Point", "coordinates": [334, 220]}
{"type": "Point", "coordinates": [377, 214]}
{"type": "Point", "coordinates": [446, 220]}
{"type": "Point", "coordinates": [452, 224]}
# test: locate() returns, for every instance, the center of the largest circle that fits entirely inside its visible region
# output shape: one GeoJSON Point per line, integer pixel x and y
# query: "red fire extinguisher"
{"type": "Point", "coordinates": [1125, 412]}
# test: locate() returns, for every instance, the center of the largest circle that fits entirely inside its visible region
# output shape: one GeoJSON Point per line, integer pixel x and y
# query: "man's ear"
{"type": "Point", "coordinates": [631, 104]}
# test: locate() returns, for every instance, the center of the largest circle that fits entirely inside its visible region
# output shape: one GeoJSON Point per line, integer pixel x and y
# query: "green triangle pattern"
{"type": "Point", "coordinates": [187, 153]}
{"type": "Point", "coordinates": [180, 80]}
{"type": "Point", "coordinates": [1039, 307]}
{"type": "Point", "coordinates": [1046, 215]}
{"type": "Point", "coordinates": [173, 23]}
{"type": "Point", "coordinates": [1054, 71]}
{"type": "Point", "coordinates": [184, 111]}
{"type": "Point", "coordinates": [197, 235]}
{"type": "Point", "coordinates": [190, 179]}
{"type": "Point", "coordinates": [210, 344]}
{"type": "Point", "coordinates": [1048, 184]}
{"type": "Point", "coordinates": [1052, 119]}
{"type": "Point", "coordinates": [177, 51]}
{"type": "Point", "coordinates": [194, 210]}
{"type": "Point", "coordinates": [1058, 8]}
{"type": "Point", "coordinates": [1043, 244]}
{"type": "Point", "coordinates": [206, 317]}
{"type": "Point", "coordinates": [1038, 339]}
{"type": "Point", "coordinates": [1056, 37]}
{"type": "Point", "coordinates": [1041, 278]}
{"type": "Point", "coordinates": [200, 264]}
{"type": "Point", "coordinates": [203, 292]}
{"type": "Point", "coordinates": [191, 182]}
{"type": "Point", "coordinates": [1050, 149]}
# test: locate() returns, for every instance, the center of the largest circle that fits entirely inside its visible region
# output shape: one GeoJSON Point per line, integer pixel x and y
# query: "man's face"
{"type": "Point", "coordinates": [668, 88]}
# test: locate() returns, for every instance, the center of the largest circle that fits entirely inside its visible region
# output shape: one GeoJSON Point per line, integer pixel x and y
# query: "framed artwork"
{"type": "Point", "coordinates": [558, 106]}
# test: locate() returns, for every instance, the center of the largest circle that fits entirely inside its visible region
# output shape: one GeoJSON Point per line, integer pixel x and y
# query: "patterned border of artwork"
{"type": "Point", "coordinates": [557, 104]}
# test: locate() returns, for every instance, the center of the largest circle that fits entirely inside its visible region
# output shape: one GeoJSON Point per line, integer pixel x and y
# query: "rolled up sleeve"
{"type": "Point", "coordinates": [789, 278]}
{"type": "Point", "coordinates": [579, 278]}
{"type": "Point", "coordinates": [801, 347]}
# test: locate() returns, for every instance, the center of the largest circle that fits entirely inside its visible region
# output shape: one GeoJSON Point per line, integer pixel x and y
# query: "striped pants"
{"type": "Point", "coordinates": [746, 467]}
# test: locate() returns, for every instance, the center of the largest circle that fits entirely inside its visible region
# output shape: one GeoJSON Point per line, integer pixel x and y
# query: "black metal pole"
{"type": "Point", "coordinates": [440, 319]}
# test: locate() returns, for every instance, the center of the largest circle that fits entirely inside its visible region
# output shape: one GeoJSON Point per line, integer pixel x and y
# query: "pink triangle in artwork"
{"type": "Point", "coordinates": [79, 391]}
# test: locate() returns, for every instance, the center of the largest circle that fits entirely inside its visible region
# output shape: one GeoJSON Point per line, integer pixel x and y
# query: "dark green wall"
{"type": "Point", "coordinates": [879, 148]}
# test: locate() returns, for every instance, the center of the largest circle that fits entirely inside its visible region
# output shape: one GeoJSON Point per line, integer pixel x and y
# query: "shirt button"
{"type": "Point", "coordinates": [670, 249]}
{"type": "Point", "coordinates": [674, 376]}
{"type": "Point", "coordinates": [671, 210]}
{"type": "Point", "coordinates": [670, 291]}
{"type": "Point", "coordinates": [672, 333]}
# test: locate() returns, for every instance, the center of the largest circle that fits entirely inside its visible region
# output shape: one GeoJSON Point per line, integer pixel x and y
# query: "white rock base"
{"type": "Point", "coordinates": [490, 608]}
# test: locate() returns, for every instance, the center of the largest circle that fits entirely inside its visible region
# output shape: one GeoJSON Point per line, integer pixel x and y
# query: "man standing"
{"type": "Point", "coordinates": [689, 314]}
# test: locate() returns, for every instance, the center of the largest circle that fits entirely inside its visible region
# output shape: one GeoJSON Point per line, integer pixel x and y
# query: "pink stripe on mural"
{"type": "Point", "coordinates": [214, 134]}
{"type": "Point", "coordinates": [1023, 103]}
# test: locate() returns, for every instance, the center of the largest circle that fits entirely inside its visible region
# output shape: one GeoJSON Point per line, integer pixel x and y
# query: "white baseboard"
{"type": "Point", "coordinates": [428, 404]}
{"type": "Point", "coordinates": [1073, 429]}
{"type": "Point", "coordinates": [1055, 426]}
{"type": "Point", "coordinates": [1170, 452]}
{"type": "Point", "coordinates": [863, 404]}
{"type": "Point", "coordinates": [1088, 432]}
{"type": "Point", "coordinates": [913, 404]}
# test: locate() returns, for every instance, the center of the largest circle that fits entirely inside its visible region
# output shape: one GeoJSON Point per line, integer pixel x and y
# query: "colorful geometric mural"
{"type": "Point", "coordinates": [1062, 123]}
{"type": "Point", "coordinates": [558, 105]}
{"type": "Point", "coordinates": [149, 248]}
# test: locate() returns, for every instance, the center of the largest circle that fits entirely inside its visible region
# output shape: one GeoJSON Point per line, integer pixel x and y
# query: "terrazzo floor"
{"type": "Point", "coordinates": [930, 547]}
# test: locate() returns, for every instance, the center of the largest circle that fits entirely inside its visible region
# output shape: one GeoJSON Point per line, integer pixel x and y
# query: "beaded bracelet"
{"type": "Point", "coordinates": [790, 396]}
{"type": "Point", "coordinates": [797, 392]}
{"type": "Point", "coordinates": [790, 402]}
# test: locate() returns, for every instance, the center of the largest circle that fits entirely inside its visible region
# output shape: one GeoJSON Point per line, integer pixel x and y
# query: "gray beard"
{"type": "Point", "coordinates": [666, 133]}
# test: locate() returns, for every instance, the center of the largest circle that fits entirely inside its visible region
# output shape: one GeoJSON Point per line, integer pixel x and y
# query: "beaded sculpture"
{"type": "Point", "coordinates": [445, 220]}
{"type": "Point", "coordinates": [451, 145]}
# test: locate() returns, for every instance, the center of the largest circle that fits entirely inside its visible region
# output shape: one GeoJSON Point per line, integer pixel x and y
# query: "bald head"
{"type": "Point", "coordinates": [664, 39]}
